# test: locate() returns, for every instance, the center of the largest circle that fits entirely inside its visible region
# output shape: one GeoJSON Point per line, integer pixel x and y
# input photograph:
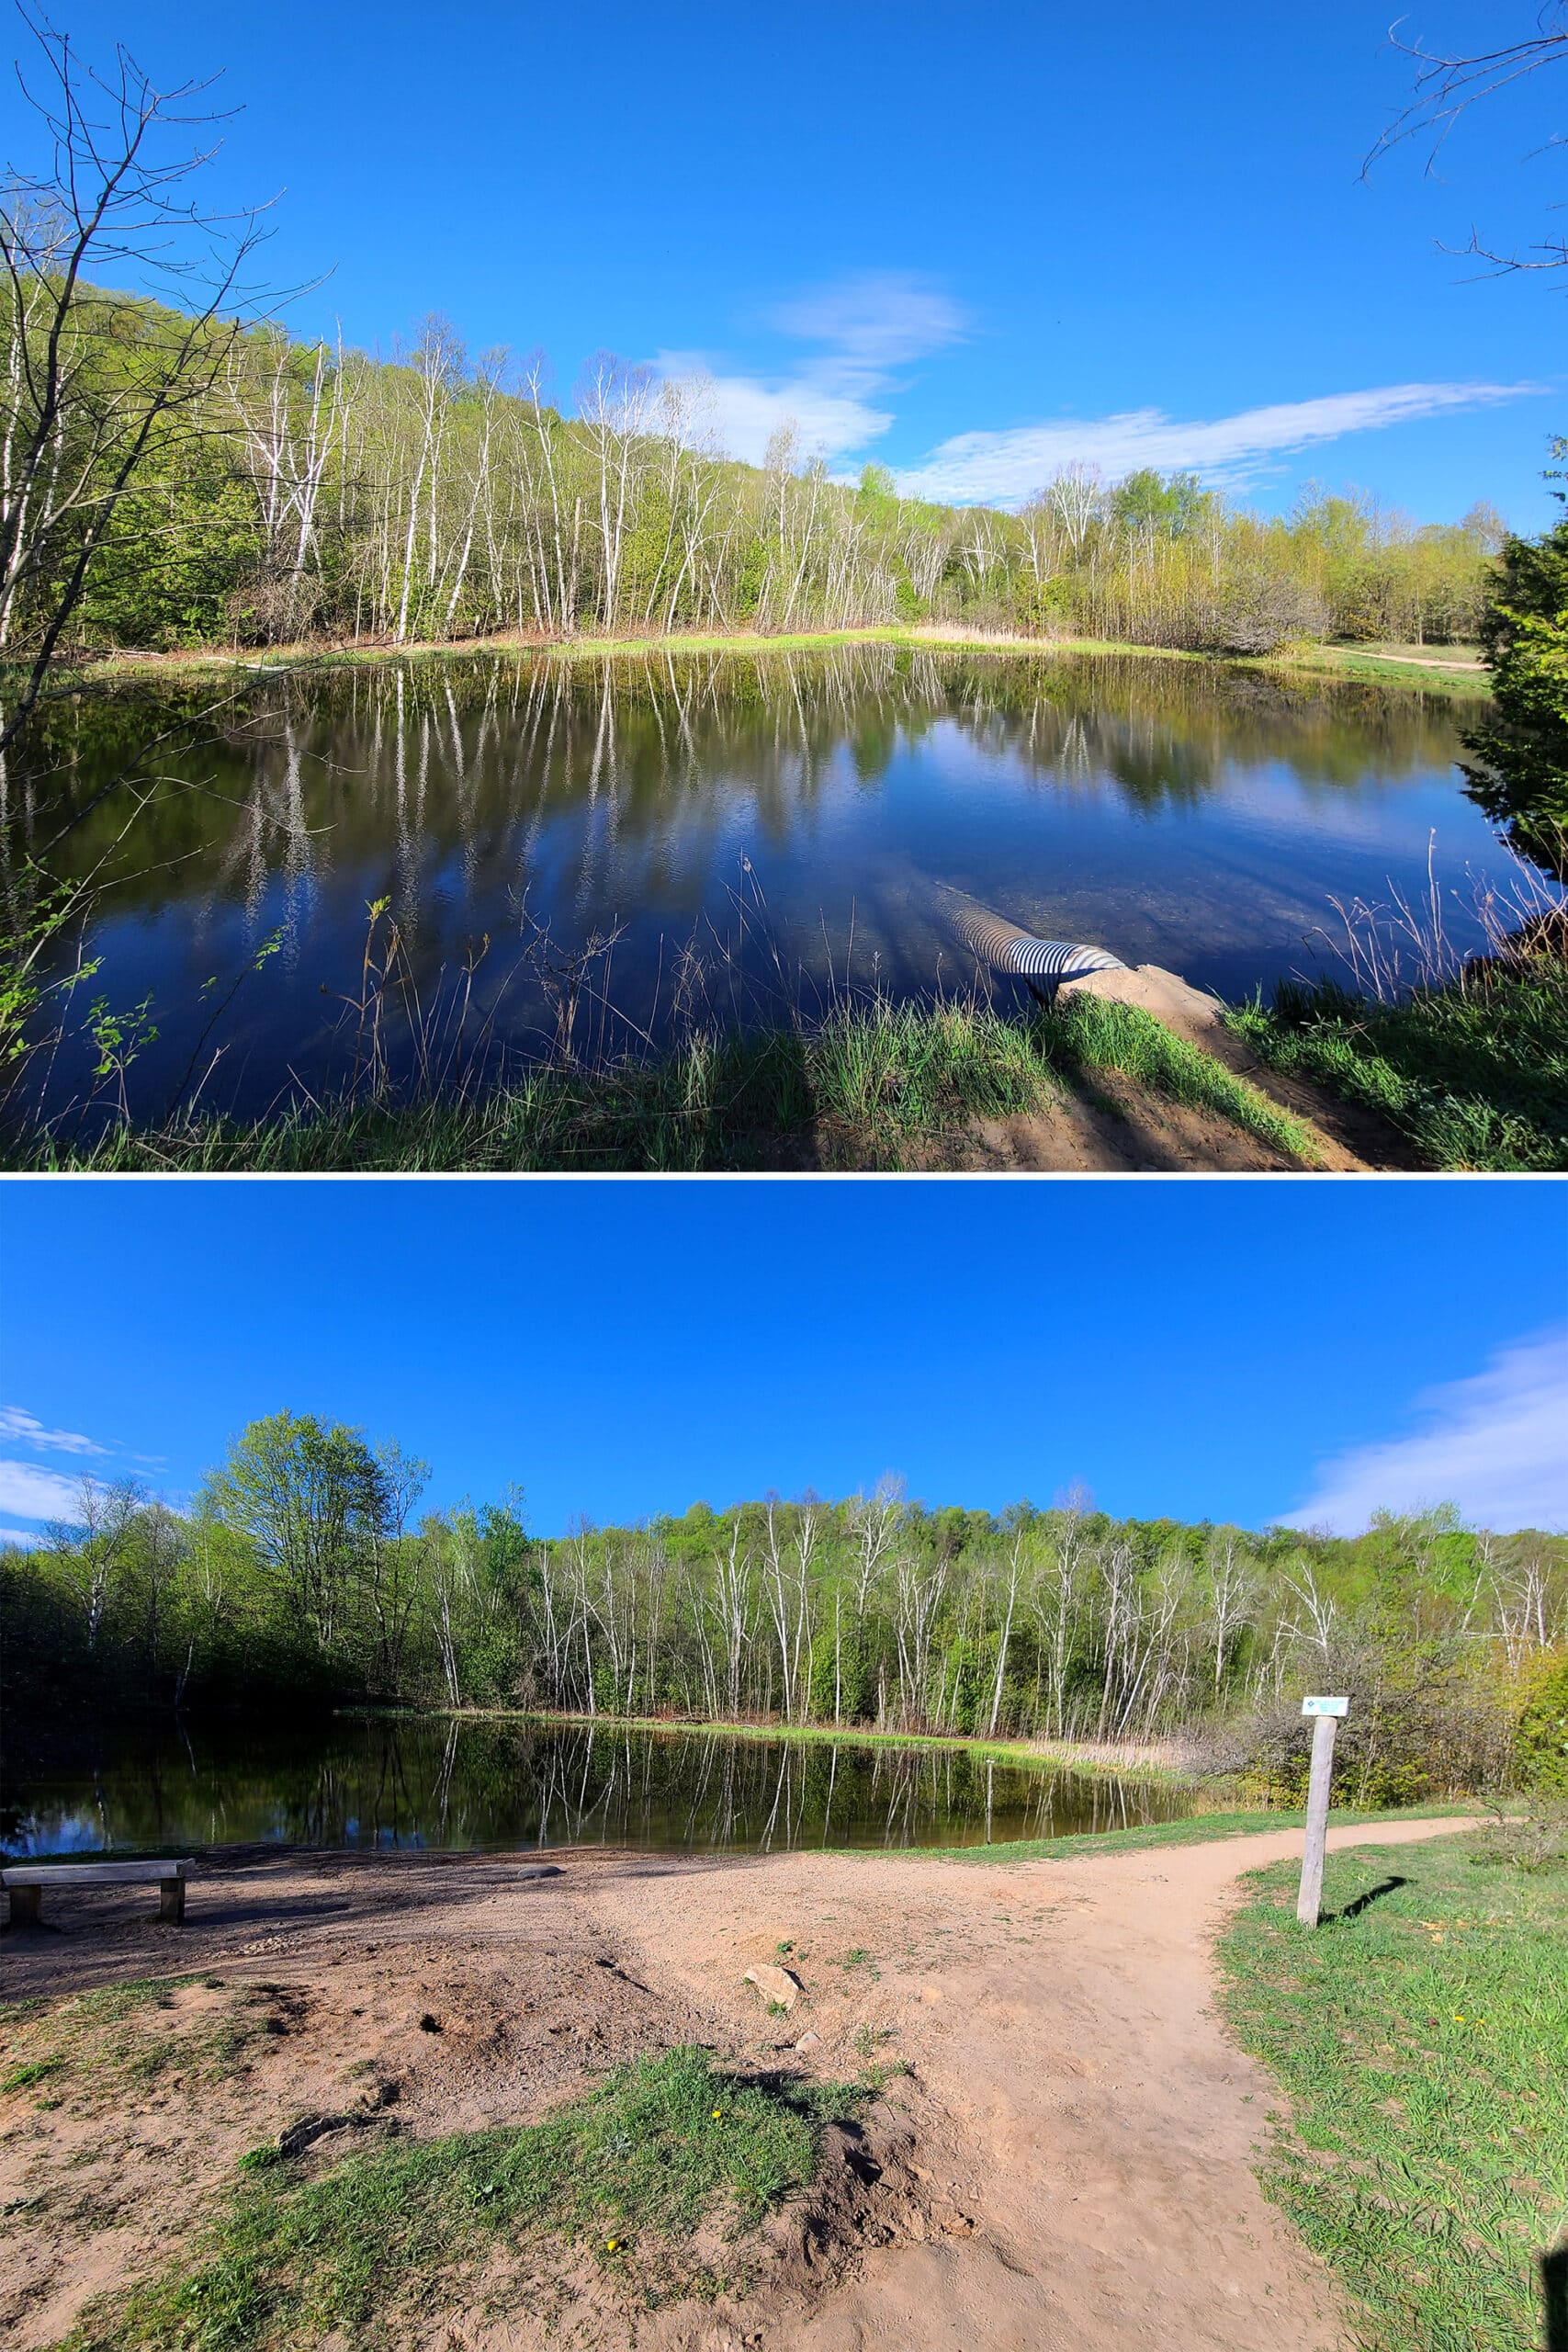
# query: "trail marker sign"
{"type": "Point", "coordinates": [1326, 1713]}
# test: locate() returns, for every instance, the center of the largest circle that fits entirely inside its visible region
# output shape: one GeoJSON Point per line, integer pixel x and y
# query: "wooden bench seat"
{"type": "Point", "coordinates": [24, 1884]}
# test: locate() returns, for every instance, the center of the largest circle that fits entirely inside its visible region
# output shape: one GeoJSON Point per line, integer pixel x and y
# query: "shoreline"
{"type": "Point", "coordinates": [1072, 1756]}
{"type": "Point", "coordinates": [1091, 1085]}
{"type": "Point", "coordinates": [1327, 663]}
{"type": "Point", "coordinates": [1197, 1828]}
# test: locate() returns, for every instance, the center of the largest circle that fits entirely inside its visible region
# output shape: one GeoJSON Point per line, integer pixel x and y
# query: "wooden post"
{"type": "Point", "coordinates": [172, 1901]}
{"type": "Point", "coordinates": [26, 1902]}
{"type": "Point", "coordinates": [1328, 1713]}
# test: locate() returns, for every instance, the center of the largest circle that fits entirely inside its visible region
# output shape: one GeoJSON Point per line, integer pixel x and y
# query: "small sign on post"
{"type": "Point", "coordinates": [1326, 1713]}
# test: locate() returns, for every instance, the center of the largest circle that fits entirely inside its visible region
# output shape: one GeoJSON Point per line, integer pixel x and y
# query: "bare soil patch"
{"type": "Point", "coordinates": [1066, 2162]}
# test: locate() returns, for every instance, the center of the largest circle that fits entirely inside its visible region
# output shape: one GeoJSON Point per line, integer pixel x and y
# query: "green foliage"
{"type": "Point", "coordinates": [1543, 1731]}
{"type": "Point", "coordinates": [175, 566]}
{"type": "Point", "coordinates": [1417, 2035]}
{"type": "Point", "coordinates": [1172, 505]}
{"type": "Point", "coordinates": [1058, 1622]}
{"type": "Point", "coordinates": [1474, 1074]}
{"type": "Point", "coordinates": [321, 1513]}
{"type": "Point", "coordinates": [630, 2171]}
{"type": "Point", "coordinates": [1520, 770]}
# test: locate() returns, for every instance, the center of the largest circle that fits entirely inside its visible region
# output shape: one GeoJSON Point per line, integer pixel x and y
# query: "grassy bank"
{"type": "Point", "coordinates": [1197, 1829]}
{"type": "Point", "coordinates": [1426, 670]}
{"type": "Point", "coordinates": [1418, 2035]}
{"type": "Point", "coordinates": [1061, 1755]}
{"type": "Point", "coordinates": [1428, 674]}
{"type": "Point", "coordinates": [628, 2174]}
{"type": "Point", "coordinates": [872, 1085]}
{"type": "Point", "coordinates": [1475, 1075]}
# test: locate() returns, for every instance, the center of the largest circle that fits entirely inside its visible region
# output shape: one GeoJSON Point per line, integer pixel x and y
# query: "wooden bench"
{"type": "Point", "coordinates": [24, 1884]}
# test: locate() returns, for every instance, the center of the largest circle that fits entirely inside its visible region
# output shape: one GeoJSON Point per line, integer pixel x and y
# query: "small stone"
{"type": "Point", "coordinates": [808, 2041]}
{"type": "Point", "coordinates": [541, 1869]}
{"type": "Point", "coordinates": [775, 1985]}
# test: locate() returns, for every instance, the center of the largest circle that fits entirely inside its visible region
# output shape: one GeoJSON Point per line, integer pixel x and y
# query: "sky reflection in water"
{"type": "Point", "coordinates": [790, 816]}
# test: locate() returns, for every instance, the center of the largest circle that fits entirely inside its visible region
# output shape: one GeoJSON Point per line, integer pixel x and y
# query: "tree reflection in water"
{"type": "Point", "coordinates": [760, 808]}
{"type": "Point", "coordinates": [506, 1784]}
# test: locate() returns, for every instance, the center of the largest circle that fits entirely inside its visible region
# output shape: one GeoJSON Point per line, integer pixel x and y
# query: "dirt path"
{"type": "Point", "coordinates": [1067, 2167]}
{"type": "Point", "coordinates": [1086, 2111]}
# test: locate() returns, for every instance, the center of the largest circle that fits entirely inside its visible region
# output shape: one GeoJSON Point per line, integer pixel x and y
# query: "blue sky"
{"type": "Point", "coordinates": [1245, 1351]}
{"type": "Point", "coordinates": [972, 244]}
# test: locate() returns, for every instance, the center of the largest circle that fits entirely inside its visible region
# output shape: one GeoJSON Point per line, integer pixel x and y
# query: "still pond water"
{"type": "Point", "coordinates": [382, 1782]}
{"type": "Point", "coordinates": [752, 829]}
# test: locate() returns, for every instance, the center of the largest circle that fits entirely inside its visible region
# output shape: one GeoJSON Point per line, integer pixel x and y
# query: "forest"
{"type": "Point", "coordinates": [305, 1573]}
{"type": "Point", "coordinates": [314, 492]}
{"type": "Point", "coordinates": [178, 469]}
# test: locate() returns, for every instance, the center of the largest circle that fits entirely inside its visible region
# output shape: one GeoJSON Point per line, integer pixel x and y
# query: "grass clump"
{"type": "Point", "coordinates": [96, 2047]}
{"type": "Point", "coordinates": [1092, 1033]}
{"type": "Point", "coordinates": [1421, 2040]}
{"type": "Point", "coordinates": [1474, 1073]}
{"type": "Point", "coordinates": [865, 1086]}
{"type": "Point", "coordinates": [629, 2170]}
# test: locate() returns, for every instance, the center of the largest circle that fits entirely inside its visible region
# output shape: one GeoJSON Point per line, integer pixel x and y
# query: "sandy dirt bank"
{"type": "Point", "coordinates": [1066, 2166]}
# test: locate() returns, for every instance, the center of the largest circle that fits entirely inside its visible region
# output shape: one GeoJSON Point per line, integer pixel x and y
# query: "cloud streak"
{"type": "Point", "coordinates": [33, 1492]}
{"type": "Point", "coordinates": [880, 321]}
{"type": "Point", "coordinates": [1492, 1444]}
{"type": "Point", "coordinates": [21, 1428]}
{"type": "Point", "coordinates": [746, 411]}
{"type": "Point", "coordinates": [867, 326]}
{"type": "Point", "coordinates": [1003, 469]}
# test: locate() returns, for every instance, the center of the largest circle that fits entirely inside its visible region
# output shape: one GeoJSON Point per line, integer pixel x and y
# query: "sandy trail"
{"type": "Point", "coordinates": [1081, 2132]}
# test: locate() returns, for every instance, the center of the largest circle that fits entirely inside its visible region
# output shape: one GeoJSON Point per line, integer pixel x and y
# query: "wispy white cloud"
{"type": "Point", "coordinates": [15, 1535]}
{"type": "Point", "coordinates": [1003, 468]}
{"type": "Point", "coordinates": [25, 1428]}
{"type": "Point", "coordinates": [33, 1492]}
{"type": "Point", "coordinates": [746, 411]}
{"type": "Point", "coordinates": [882, 320]}
{"type": "Point", "coordinates": [1494, 1444]}
{"type": "Point", "coordinates": [866, 326]}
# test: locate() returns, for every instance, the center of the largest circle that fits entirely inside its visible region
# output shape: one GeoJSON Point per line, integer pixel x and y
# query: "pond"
{"type": "Point", "coordinates": [520, 1782]}
{"type": "Point", "coordinates": [749, 831]}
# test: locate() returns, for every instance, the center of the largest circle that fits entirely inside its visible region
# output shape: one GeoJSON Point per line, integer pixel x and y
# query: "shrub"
{"type": "Point", "coordinates": [1541, 1742]}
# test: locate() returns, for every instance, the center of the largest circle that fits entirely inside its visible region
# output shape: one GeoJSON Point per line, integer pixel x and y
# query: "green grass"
{"type": "Point", "coordinates": [1475, 1075]}
{"type": "Point", "coordinates": [996, 1751]}
{"type": "Point", "coordinates": [629, 2171]}
{"type": "Point", "coordinates": [1089, 1033]}
{"type": "Point", "coordinates": [1423, 2047]}
{"type": "Point", "coordinates": [1331, 663]}
{"type": "Point", "coordinates": [1321, 660]}
{"type": "Point", "coordinates": [1197, 1829]}
{"type": "Point", "coordinates": [96, 2048]}
{"type": "Point", "coordinates": [871, 1085]}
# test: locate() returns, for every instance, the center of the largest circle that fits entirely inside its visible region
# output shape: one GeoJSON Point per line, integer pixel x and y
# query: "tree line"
{"type": "Point", "coordinates": [177, 469]}
{"type": "Point", "coordinates": [314, 491]}
{"type": "Point", "coordinates": [305, 1572]}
